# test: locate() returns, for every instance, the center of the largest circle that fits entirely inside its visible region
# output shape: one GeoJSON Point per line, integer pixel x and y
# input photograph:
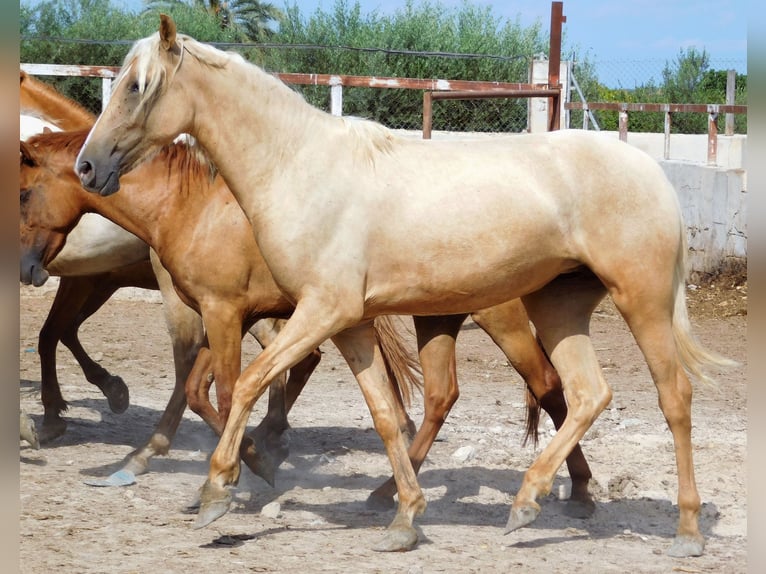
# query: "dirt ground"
{"type": "Point", "coordinates": [336, 459]}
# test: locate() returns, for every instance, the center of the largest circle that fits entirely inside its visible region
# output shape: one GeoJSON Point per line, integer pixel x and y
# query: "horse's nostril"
{"type": "Point", "coordinates": [84, 168]}
{"type": "Point", "coordinates": [85, 172]}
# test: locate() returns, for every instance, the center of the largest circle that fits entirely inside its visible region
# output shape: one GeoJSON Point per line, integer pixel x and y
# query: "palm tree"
{"type": "Point", "coordinates": [251, 20]}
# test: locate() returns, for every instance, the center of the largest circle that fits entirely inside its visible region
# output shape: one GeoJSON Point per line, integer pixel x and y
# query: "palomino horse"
{"type": "Point", "coordinates": [94, 260]}
{"type": "Point", "coordinates": [56, 200]}
{"type": "Point", "coordinates": [421, 227]}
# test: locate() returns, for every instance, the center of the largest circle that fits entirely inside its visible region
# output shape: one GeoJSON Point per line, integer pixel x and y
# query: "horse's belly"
{"type": "Point", "coordinates": [461, 284]}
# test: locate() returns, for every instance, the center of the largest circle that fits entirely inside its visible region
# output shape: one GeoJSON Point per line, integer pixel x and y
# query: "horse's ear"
{"type": "Point", "coordinates": [167, 32]}
{"type": "Point", "coordinates": [47, 130]}
{"type": "Point", "coordinates": [26, 154]}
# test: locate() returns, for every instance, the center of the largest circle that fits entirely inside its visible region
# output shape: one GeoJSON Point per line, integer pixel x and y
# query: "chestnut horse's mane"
{"type": "Point", "coordinates": [37, 85]}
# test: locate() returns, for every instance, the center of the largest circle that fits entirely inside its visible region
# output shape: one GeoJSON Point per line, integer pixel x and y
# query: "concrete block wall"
{"type": "Point", "coordinates": [714, 207]}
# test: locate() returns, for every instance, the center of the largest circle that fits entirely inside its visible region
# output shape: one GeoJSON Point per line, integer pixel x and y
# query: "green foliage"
{"type": "Point", "coordinates": [424, 39]}
{"type": "Point", "coordinates": [78, 31]}
{"type": "Point", "coordinates": [372, 44]}
{"type": "Point", "coordinates": [686, 80]}
{"type": "Point", "coordinates": [244, 20]}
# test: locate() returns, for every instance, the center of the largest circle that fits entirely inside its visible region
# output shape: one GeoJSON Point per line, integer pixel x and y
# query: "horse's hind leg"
{"type": "Point", "coordinates": [71, 295]}
{"type": "Point", "coordinates": [508, 326]}
{"type": "Point", "coordinates": [650, 320]}
{"type": "Point", "coordinates": [187, 335]}
{"type": "Point", "coordinates": [561, 312]}
{"type": "Point", "coordinates": [112, 386]}
{"type": "Point", "coordinates": [359, 347]}
{"type": "Point", "coordinates": [436, 347]}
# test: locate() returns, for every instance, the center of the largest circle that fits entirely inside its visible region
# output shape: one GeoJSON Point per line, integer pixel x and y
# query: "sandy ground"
{"type": "Point", "coordinates": [336, 459]}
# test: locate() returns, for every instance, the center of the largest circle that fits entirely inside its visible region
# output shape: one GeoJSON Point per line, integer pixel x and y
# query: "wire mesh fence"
{"type": "Point", "coordinates": [399, 108]}
{"type": "Point", "coordinates": [659, 81]}
{"type": "Point", "coordinates": [403, 108]}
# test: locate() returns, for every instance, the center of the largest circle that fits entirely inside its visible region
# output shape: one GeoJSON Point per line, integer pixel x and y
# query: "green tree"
{"type": "Point", "coordinates": [95, 32]}
{"type": "Point", "coordinates": [249, 20]}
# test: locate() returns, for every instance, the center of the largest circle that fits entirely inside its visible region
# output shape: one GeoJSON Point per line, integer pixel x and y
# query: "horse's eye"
{"type": "Point", "coordinates": [133, 89]}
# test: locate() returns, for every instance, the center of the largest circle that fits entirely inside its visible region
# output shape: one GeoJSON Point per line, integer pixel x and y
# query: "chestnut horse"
{"type": "Point", "coordinates": [422, 227]}
{"type": "Point", "coordinates": [54, 200]}
{"type": "Point", "coordinates": [94, 260]}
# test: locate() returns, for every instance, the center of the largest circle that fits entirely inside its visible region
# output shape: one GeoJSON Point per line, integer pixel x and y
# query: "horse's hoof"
{"type": "Point", "coordinates": [579, 508]}
{"type": "Point", "coordinates": [685, 546]}
{"type": "Point", "coordinates": [27, 430]}
{"type": "Point", "coordinates": [380, 501]}
{"type": "Point", "coordinates": [51, 430]}
{"type": "Point", "coordinates": [117, 395]}
{"type": "Point", "coordinates": [265, 467]}
{"type": "Point", "coordinates": [192, 507]}
{"type": "Point", "coordinates": [214, 503]}
{"type": "Point", "coordinates": [521, 517]}
{"type": "Point", "coordinates": [136, 464]}
{"type": "Point", "coordinates": [398, 539]}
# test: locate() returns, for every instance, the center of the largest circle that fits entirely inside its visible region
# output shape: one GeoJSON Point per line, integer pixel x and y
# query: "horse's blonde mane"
{"type": "Point", "coordinates": [143, 60]}
{"type": "Point", "coordinates": [368, 138]}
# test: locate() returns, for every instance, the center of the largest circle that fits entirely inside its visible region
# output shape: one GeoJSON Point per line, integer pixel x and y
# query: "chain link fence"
{"type": "Point", "coordinates": [403, 108]}
{"type": "Point", "coordinates": [398, 108]}
{"type": "Point", "coordinates": [643, 81]}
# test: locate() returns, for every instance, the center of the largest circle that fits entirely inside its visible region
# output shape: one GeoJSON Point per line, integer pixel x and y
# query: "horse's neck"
{"type": "Point", "coordinates": [278, 124]}
{"type": "Point", "coordinates": [156, 209]}
{"type": "Point", "coordinates": [52, 106]}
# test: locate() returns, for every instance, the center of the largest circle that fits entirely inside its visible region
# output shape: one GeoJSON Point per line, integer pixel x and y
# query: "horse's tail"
{"type": "Point", "coordinates": [532, 419]}
{"type": "Point", "coordinates": [694, 357]}
{"type": "Point", "coordinates": [402, 366]}
{"type": "Point", "coordinates": [534, 405]}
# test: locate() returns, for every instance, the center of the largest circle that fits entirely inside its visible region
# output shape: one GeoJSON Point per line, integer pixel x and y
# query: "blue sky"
{"type": "Point", "coordinates": [616, 32]}
{"type": "Point", "coordinates": [611, 29]}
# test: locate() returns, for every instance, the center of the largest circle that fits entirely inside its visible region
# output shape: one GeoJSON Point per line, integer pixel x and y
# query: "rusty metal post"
{"type": "Point", "coordinates": [554, 61]}
{"type": "Point", "coordinates": [555, 112]}
{"type": "Point", "coordinates": [731, 90]}
{"type": "Point", "coordinates": [623, 123]}
{"type": "Point", "coordinates": [427, 115]}
{"type": "Point", "coordinates": [712, 138]}
{"type": "Point", "coordinates": [554, 55]}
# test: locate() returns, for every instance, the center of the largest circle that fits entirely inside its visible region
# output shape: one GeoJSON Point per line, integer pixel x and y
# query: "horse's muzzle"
{"type": "Point", "coordinates": [90, 180]}
{"type": "Point", "coordinates": [32, 271]}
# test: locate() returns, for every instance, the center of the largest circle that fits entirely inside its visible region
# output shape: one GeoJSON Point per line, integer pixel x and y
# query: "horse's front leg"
{"type": "Point", "coordinates": [362, 353]}
{"type": "Point", "coordinates": [270, 444]}
{"type": "Point", "coordinates": [308, 327]}
{"type": "Point", "coordinates": [71, 296]}
{"type": "Point", "coordinates": [112, 386]}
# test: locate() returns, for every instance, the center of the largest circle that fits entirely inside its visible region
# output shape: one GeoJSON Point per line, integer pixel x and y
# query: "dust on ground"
{"type": "Point", "coordinates": [321, 522]}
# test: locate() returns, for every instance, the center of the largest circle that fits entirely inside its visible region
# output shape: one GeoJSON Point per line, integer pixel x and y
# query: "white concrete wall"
{"type": "Point", "coordinates": [732, 150]}
{"type": "Point", "coordinates": [714, 206]}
